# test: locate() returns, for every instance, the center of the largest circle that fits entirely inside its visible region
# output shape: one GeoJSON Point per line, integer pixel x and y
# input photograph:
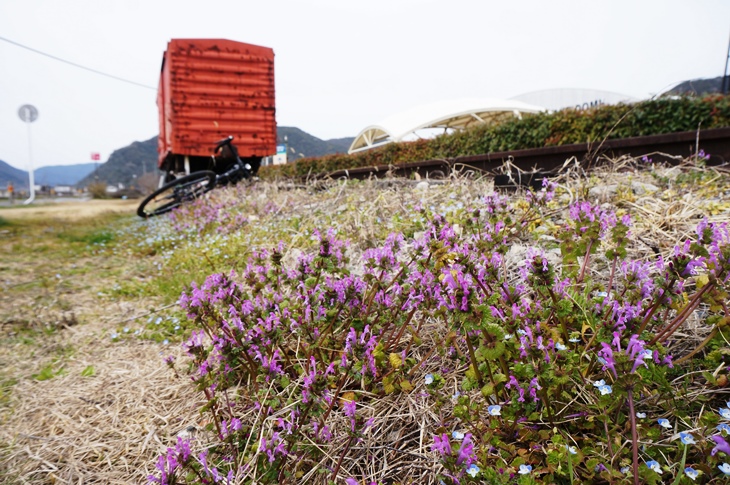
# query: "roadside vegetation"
{"type": "Point", "coordinates": [652, 117]}
{"type": "Point", "coordinates": [378, 332]}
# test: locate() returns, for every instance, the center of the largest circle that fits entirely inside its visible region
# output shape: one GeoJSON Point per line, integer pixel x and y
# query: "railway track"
{"type": "Point", "coordinates": [671, 148]}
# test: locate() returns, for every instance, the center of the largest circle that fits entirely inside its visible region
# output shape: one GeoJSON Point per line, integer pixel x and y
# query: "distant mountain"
{"type": "Point", "coordinates": [8, 173]}
{"type": "Point", "coordinates": [301, 144]}
{"type": "Point", "coordinates": [63, 174]}
{"type": "Point", "coordinates": [697, 87]}
{"type": "Point", "coordinates": [126, 164]}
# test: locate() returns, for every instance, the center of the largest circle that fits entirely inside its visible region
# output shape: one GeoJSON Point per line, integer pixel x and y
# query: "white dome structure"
{"type": "Point", "coordinates": [454, 114]}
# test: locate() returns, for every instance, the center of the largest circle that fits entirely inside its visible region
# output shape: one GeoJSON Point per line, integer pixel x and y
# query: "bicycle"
{"type": "Point", "coordinates": [194, 185]}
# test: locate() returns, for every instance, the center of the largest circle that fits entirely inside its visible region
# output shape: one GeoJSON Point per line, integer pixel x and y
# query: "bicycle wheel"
{"type": "Point", "coordinates": [177, 192]}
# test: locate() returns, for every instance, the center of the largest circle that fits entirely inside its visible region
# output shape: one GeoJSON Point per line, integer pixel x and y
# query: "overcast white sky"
{"type": "Point", "coordinates": [340, 64]}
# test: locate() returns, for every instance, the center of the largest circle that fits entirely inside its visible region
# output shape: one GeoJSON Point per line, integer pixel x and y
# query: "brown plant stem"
{"type": "Point", "coordinates": [585, 262]}
{"type": "Point", "coordinates": [634, 436]}
{"type": "Point", "coordinates": [670, 328]}
{"type": "Point", "coordinates": [473, 359]}
{"type": "Point", "coordinates": [342, 457]}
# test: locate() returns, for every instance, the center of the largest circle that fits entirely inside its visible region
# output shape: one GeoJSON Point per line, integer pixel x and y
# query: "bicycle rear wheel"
{"type": "Point", "coordinates": [177, 192]}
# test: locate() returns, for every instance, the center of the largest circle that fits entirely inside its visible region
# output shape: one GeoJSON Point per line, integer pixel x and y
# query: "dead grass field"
{"type": "Point", "coordinates": [70, 210]}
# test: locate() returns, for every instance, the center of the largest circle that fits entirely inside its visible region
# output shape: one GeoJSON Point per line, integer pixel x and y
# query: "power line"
{"type": "Point", "coordinates": [77, 65]}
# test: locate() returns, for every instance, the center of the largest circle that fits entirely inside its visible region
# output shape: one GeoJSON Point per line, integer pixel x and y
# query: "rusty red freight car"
{"type": "Point", "coordinates": [211, 89]}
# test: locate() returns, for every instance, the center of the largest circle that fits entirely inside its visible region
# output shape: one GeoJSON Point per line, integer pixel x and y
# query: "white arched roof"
{"type": "Point", "coordinates": [447, 114]}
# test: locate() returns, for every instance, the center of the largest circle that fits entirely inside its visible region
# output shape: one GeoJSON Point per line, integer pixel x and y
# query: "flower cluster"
{"type": "Point", "coordinates": [549, 366]}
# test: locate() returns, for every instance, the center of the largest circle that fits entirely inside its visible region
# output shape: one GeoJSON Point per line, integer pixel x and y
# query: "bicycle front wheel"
{"type": "Point", "coordinates": [177, 192]}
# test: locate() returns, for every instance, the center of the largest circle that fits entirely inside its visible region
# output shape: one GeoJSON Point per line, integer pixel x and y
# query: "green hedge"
{"type": "Point", "coordinates": [533, 131]}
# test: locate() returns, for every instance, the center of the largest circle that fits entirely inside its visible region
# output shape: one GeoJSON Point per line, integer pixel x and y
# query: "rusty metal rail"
{"type": "Point", "coordinates": [670, 148]}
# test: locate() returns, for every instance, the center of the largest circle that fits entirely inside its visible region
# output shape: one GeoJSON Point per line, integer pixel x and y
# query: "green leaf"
{"type": "Point", "coordinates": [88, 371]}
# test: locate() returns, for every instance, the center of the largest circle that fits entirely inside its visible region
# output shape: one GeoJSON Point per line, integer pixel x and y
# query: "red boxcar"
{"type": "Point", "coordinates": [210, 89]}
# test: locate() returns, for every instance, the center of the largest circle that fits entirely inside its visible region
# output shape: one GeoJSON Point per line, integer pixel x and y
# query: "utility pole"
{"type": "Point", "coordinates": [725, 77]}
{"type": "Point", "coordinates": [28, 113]}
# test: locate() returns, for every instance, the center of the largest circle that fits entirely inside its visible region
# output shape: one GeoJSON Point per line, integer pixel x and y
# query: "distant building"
{"type": "Point", "coordinates": [63, 189]}
{"type": "Point", "coordinates": [445, 116]}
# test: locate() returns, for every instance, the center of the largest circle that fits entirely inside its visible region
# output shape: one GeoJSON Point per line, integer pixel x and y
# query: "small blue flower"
{"type": "Point", "coordinates": [494, 410]}
{"type": "Point", "coordinates": [664, 423]}
{"type": "Point", "coordinates": [574, 340]}
{"type": "Point", "coordinates": [456, 395]}
{"type": "Point", "coordinates": [725, 468]}
{"type": "Point", "coordinates": [165, 342]}
{"type": "Point", "coordinates": [428, 379]}
{"type": "Point", "coordinates": [525, 469]}
{"type": "Point", "coordinates": [508, 336]}
{"type": "Point", "coordinates": [472, 470]}
{"type": "Point", "coordinates": [605, 390]}
{"type": "Point", "coordinates": [126, 330]}
{"type": "Point", "coordinates": [599, 383]}
{"type": "Point", "coordinates": [723, 427]}
{"type": "Point", "coordinates": [640, 415]}
{"type": "Point", "coordinates": [625, 469]}
{"type": "Point", "coordinates": [457, 435]}
{"type": "Point", "coordinates": [691, 473]}
{"type": "Point", "coordinates": [687, 438]}
{"type": "Point", "coordinates": [602, 361]}
{"type": "Point", "coordinates": [571, 449]}
{"type": "Point", "coordinates": [114, 335]}
{"type": "Point", "coordinates": [654, 465]}
{"type": "Point", "coordinates": [725, 413]}
{"type": "Point", "coordinates": [560, 346]}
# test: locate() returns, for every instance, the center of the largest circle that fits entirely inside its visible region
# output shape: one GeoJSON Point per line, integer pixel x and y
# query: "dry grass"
{"type": "Point", "coordinates": [70, 210]}
{"type": "Point", "coordinates": [109, 427]}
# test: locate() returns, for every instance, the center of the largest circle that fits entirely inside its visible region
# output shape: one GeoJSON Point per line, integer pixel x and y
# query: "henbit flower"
{"type": "Point", "coordinates": [654, 465]}
{"type": "Point", "coordinates": [428, 379]}
{"type": "Point", "coordinates": [605, 390]}
{"type": "Point", "coordinates": [723, 427]}
{"type": "Point", "coordinates": [472, 470]}
{"type": "Point", "coordinates": [721, 445]}
{"type": "Point", "coordinates": [664, 423]}
{"type": "Point", "coordinates": [725, 468]}
{"type": "Point", "coordinates": [691, 473]}
{"type": "Point", "coordinates": [725, 412]}
{"type": "Point", "coordinates": [441, 444]}
{"type": "Point", "coordinates": [494, 410]}
{"type": "Point", "coordinates": [466, 451]}
{"type": "Point", "coordinates": [351, 481]}
{"type": "Point", "coordinates": [525, 469]}
{"type": "Point", "coordinates": [687, 438]}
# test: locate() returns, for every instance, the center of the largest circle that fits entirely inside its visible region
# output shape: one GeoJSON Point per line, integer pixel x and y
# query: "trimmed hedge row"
{"type": "Point", "coordinates": [533, 131]}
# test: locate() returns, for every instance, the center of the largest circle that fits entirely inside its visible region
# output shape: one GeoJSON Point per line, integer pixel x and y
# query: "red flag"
{"type": "Point", "coordinates": [95, 156]}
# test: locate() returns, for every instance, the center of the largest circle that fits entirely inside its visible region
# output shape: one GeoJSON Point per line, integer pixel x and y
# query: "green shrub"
{"type": "Point", "coordinates": [532, 131]}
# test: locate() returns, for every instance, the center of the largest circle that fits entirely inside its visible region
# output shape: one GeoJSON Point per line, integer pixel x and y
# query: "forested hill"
{"type": "Point", "coordinates": [126, 164]}
{"type": "Point", "coordinates": [8, 173]}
